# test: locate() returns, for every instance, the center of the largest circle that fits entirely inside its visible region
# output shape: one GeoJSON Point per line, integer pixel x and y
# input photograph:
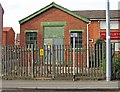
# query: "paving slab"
{"type": "Point", "coordinates": [59, 84]}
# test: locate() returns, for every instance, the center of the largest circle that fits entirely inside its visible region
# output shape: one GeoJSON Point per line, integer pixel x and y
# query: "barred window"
{"type": "Point", "coordinates": [78, 40]}
{"type": "Point", "coordinates": [31, 38]}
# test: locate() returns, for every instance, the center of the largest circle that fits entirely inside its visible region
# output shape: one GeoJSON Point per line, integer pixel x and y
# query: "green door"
{"type": "Point", "coordinates": [54, 36]}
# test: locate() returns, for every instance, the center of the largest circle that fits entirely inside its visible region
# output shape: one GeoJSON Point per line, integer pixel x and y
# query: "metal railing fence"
{"type": "Point", "coordinates": [54, 62]}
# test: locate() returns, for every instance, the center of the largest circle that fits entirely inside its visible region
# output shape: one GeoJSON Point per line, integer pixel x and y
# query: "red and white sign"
{"type": "Point", "coordinates": [113, 35]}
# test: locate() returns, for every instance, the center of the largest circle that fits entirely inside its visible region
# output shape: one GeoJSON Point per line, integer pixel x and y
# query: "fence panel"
{"type": "Point", "coordinates": [56, 62]}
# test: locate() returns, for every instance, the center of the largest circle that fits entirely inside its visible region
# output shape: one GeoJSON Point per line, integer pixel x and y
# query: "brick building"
{"type": "Point", "coordinates": [8, 36]}
{"type": "Point", "coordinates": [97, 25]}
{"type": "Point", "coordinates": [55, 24]}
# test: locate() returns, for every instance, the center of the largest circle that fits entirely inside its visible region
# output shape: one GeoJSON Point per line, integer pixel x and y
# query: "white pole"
{"type": "Point", "coordinates": [108, 44]}
{"type": "Point", "coordinates": [73, 56]}
{"type": "Point", "coordinates": [32, 58]}
{"type": "Point", "coordinates": [87, 47]}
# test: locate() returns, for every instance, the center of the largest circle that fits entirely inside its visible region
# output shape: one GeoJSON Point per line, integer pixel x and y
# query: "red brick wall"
{"type": "Point", "coordinates": [94, 30]}
{"type": "Point", "coordinates": [53, 15]}
{"type": "Point", "coordinates": [10, 39]}
{"type": "Point", "coordinates": [4, 38]}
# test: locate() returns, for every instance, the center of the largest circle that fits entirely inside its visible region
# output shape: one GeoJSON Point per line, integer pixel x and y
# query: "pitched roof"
{"type": "Point", "coordinates": [50, 6]}
{"type": "Point", "coordinates": [98, 14]}
{"type": "Point", "coordinates": [7, 28]}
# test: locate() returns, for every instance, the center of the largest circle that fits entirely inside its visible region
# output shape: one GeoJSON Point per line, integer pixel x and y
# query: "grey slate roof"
{"type": "Point", "coordinates": [98, 14]}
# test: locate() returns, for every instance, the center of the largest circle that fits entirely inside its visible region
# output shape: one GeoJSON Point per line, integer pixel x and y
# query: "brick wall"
{"type": "Point", "coordinates": [8, 37]}
{"type": "Point", "coordinates": [11, 37]}
{"type": "Point", "coordinates": [94, 30]}
{"type": "Point", "coordinates": [4, 38]}
{"type": "Point", "coordinates": [53, 15]}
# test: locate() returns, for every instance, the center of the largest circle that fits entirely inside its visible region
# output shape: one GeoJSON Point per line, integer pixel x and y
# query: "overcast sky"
{"type": "Point", "coordinates": [16, 10]}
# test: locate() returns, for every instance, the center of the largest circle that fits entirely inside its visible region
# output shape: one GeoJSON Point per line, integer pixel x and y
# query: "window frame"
{"type": "Point", "coordinates": [78, 39]}
{"type": "Point", "coordinates": [31, 38]}
{"type": "Point", "coordinates": [114, 24]}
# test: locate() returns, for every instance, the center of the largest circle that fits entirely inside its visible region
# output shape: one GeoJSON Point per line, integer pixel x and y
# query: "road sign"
{"type": "Point", "coordinates": [41, 52]}
{"type": "Point", "coordinates": [73, 34]}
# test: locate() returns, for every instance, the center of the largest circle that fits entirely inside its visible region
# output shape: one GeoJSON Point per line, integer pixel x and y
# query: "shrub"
{"type": "Point", "coordinates": [115, 68]}
{"type": "Point", "coordinates": [104, 65]}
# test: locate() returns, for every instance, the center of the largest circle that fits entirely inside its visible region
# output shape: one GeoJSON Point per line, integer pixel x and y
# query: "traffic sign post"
{"type": "Point", "coordinates": [74, 35]}
{"type": "Point", "coordinates": [73, 58]}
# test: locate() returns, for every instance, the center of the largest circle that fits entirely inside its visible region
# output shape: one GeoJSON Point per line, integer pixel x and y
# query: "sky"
{"type": "Point", "coordinates": [15, 10]}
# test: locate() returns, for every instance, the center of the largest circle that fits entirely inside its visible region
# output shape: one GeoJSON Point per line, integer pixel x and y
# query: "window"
{"type": "Point", "coordinates": [113, 25]}
{"type": "Point", "coordinates": [117, 46]}
{"type": "Point", "coordinates": [31, 38]}
{"type": "Point", "coordinates": [78, 40]}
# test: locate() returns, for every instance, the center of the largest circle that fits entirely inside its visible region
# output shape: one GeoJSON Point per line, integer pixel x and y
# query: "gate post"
{"type": "Point", "coordinates": [32, 61]}
{"type": "Point", "coordinates": [53, 63]}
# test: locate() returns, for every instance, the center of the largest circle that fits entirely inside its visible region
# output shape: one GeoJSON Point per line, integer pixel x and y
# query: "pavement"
{"type": "Point", "coordinates": [59, 84]}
